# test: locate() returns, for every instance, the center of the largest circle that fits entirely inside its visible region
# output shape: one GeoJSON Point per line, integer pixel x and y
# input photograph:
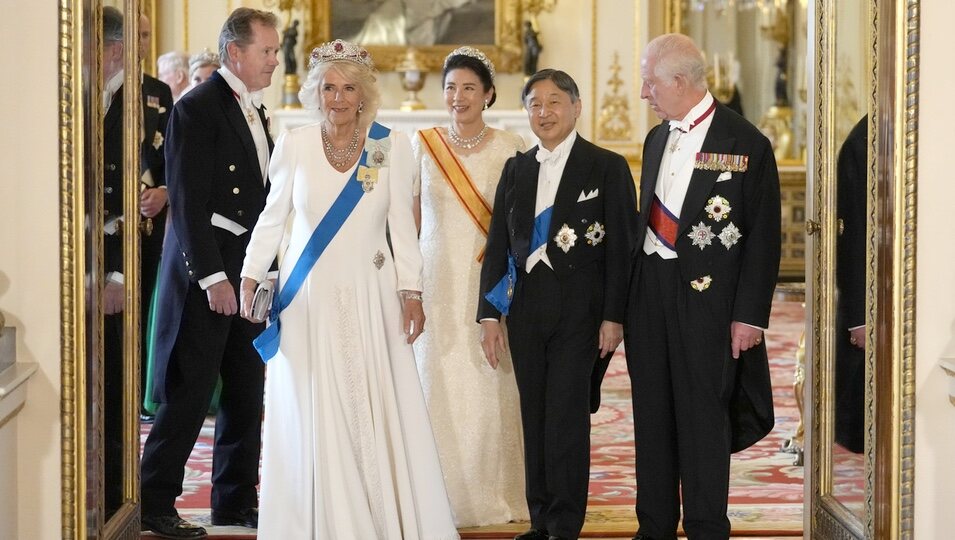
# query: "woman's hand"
{"type": "Point", "coordinates": [412, 311]}
{"type": "Point", "coordinates": [246, 293]}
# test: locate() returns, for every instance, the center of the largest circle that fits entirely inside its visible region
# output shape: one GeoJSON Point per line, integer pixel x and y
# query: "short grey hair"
{"type": "Point", "coordinates": [562, 80]}
{"type": "Point", "coordinates": [201, 60]}
{"type": "Point", "coordinates": [362, 76]}
{"type": "Point", "coordinates": [238, 29]}
{"type": "Point", "coordinates": [173, 61]}
{"type": "Point", "coordinates": [112, 24]}
{"type": "Point", "coordinates": [676, 55]}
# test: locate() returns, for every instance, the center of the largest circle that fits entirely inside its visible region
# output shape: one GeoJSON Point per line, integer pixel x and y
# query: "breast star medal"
{"type": "Point", "coordinates": [717, 208]}
{"type": "Point", "coordinates": [595, 233]}
{"type": "Point", "coordinates": [701, 283]}
{"type": "Point", "coordinates": [566, 238]}
{"type": "Point", "coordinates": [368, 176]}
{"type": "Point", "coordinates": [730, 235]}
{"type": "Point", "coordinates": [702, 235]}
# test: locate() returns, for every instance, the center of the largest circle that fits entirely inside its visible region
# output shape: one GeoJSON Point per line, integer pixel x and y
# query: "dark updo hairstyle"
{"type": "Point", "coordinates": [462, 61]}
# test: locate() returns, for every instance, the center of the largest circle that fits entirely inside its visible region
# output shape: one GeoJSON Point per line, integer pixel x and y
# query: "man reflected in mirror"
{"type": "Point", "coordinates": [705, 268]}
{"type": "Point", "coordinates": [156, 104]}
{"type": "Point", "coordinates": [851, 283]}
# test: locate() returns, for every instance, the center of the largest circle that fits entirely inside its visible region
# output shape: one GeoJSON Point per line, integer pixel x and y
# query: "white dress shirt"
{"type": "Point", "coordinates": [548, 180]}
{"type": "Point", "coordinates": [676, 167]}
{"type": "Point", "coordinates": [249, 102]}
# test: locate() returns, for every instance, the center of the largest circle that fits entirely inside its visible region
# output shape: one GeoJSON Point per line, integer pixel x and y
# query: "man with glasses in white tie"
{"type": "Point", "coordinates": [557, 265]}
{"type": "Point", "coordinates": [217, 157]}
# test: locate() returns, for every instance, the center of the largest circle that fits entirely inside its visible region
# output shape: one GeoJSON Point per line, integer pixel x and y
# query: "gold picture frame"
{"type": "Point", "coordinates": [505, 52]}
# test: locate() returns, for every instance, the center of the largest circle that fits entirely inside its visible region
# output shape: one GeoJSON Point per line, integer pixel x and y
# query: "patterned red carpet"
{"type": "Point", "coordinates": [766, 491]}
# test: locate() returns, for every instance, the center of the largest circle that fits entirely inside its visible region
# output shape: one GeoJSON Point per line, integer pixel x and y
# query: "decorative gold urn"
{"type": "Point", "coordinates": [412, 80]}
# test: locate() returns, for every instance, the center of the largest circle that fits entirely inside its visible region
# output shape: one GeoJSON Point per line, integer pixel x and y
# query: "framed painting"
{"type": "Point", "coordinates": [388, 28]}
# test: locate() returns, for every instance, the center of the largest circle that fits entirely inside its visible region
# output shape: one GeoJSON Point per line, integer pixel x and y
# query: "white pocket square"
{"type": "Point", "coordinates": [725, 175]}
{"type": "Point", "coordinates": [585, 196]}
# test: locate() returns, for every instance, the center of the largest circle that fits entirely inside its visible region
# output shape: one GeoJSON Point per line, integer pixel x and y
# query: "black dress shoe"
{"type": "Point", "coordinates": [242, 518]}
{"type": "Point", "coordinates": [171, 527]}
{"type": "Point", "coordinates": [642, 537]}
{"type": "Point", "coordinates": [552, 537]}
{"type": "Point", "coordinates": [533, 534]}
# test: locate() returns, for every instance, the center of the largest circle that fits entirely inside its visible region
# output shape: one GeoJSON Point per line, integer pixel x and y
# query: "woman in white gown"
{"type": "Point", "coordinates": [347, 446]}
{"type": "Point", "coordinates": [474, 407]}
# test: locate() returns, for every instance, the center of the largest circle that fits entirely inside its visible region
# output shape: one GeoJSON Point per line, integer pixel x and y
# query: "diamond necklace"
{"type": "Point", "coordinates": [468, 143]}
{"type": "Point", "coordinates": [339, 157]}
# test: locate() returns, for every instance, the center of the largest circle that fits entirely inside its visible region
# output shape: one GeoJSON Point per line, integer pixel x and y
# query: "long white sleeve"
{"type": "Point", "coordinates": [404, 234]}
{"type": "Point", "coordinates": [270, 228]}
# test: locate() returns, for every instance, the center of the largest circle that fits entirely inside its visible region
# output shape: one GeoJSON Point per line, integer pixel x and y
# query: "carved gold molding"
{"type": "Point", "coordinates": [613, 122]}
{"type": "Point", "coordinates": [72, 290]}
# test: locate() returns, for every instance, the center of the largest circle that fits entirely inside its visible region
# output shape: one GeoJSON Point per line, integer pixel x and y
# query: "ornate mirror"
{"type": "Point", "coordinates": [863, 106]}
{"type": "Point", "coordinates": [99, 134]}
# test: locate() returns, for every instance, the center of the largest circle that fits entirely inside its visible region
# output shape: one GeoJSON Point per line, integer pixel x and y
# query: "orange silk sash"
{"type": "Point", "coordinates": [457, 177]}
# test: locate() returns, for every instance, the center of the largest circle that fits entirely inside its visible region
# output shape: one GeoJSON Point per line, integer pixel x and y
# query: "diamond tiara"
{"type": "Point", "coordinates": [473, 53]}
{"type": "Point", "coordinates": [340, 50]}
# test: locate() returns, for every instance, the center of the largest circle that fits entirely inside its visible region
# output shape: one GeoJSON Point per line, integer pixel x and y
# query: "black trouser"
{"type": "Point", "coordinates": [196, 361]}
{"type": "Point", "coordinates": [553, 333]}
{"type": "Point", "coordinates": [681, 375]}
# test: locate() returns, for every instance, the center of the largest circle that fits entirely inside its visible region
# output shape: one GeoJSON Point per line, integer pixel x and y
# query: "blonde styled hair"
{"type": "Point", "coordinates": [362, 76]}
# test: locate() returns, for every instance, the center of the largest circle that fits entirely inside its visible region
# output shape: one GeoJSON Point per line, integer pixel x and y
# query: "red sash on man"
{"type": "Point", "coordinates": [663, 223]}
{"type": "Point", "coordinates": [457, 177]}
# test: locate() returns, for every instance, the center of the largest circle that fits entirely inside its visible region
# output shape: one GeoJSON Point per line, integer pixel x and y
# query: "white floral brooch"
{"type": "Point", "coordinates": [717, 208]}
{"type": "Point", "coordinates": [566, 238]}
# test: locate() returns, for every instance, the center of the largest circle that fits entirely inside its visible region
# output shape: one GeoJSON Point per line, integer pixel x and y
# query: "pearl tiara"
{"type": "Point", "coordinates": [473, 53]}
{"type": "Point", "coordinates": [339, 50]}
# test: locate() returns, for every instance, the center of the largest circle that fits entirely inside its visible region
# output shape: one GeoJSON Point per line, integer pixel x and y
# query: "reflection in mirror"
{"type": "Point", "coordinates": [851, 75]}
{"type": "Point", "coordinates": [114, 294]}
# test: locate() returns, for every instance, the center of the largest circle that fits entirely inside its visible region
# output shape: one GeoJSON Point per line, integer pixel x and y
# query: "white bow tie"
{"type": "Point", "coordinates": [251, 100]}
{"type": "Point", "coordinates": [682, 125]}
{"type": "Point", "coordinates": [544, 155]}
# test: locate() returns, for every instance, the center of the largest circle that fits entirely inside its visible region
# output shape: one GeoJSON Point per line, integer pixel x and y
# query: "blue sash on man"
{"type": "Point", "coordinates": [267, 343]}
{"type": "Point", "coordinates": [501, 295]}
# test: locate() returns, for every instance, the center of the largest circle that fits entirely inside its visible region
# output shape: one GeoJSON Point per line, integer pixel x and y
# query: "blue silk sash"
{"type": "Point", "coordinates": [502, 293]}
{"type": "Point", "coordinates": [267, 343]}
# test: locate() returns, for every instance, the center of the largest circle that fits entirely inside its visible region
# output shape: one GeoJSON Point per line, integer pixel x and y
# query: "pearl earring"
{"type": "Point", "coordinates": [361, 107]}
{"type": "Point", "coordinates": [485, 104]}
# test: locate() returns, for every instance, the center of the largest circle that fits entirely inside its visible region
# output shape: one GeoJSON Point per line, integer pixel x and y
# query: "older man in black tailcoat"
{"type": "Point", "coordinates": [708, 246]}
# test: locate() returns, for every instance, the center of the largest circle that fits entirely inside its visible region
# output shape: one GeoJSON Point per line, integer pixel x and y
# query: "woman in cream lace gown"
{"type": "Point", "coordinates": [474, 408]}
{"type": "Point", "coordinates": [347, 447]}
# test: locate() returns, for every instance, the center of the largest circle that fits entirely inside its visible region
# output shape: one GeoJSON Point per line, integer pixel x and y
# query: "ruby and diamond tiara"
{"type": "Point", "coordinates": [340, 50]}
{"type": "Point", "coordinates": [473, 53]}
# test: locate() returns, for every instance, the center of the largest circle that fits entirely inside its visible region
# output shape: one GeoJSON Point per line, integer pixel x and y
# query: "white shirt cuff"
{"type": "Point", "coordinates": [753, 326]}
{"type": "Point", "coordinates": [116, 277]}
{"type": "Point", "coordinates": [274, 274]}
{"type": "Point", "coordinates": [857, 327]}
{"type": "Point", "coordinates": [209, 281]}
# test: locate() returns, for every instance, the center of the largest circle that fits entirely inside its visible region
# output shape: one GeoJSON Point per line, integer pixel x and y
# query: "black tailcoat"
{"type": "Point", "coordinates": [213, 175]}
{"type": "Point", "coordinates": [556, 314]}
